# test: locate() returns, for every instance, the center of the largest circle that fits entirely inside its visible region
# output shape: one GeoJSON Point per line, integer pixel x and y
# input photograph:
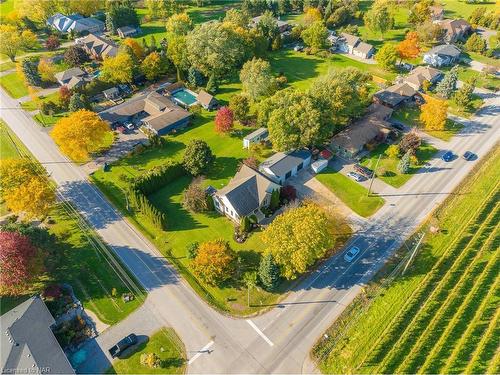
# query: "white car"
{"type": "Point", "coordinates": [129, 126]}
{"type": "Point", "coordinates": [355, 176]}
{"type": "Point", "coordinates": [351, 254]}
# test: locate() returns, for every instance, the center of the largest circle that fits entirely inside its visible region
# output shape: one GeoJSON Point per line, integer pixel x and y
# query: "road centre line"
{"type": "Point", "coordinates": [261, 334]}
{"type": "Point", "coordinates": [200, 352]}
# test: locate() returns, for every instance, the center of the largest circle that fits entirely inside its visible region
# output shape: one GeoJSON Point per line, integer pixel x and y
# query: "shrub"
{"type": "Point", "coordinates": [392, 151]}
{"type": "Point", "coordinates": [192, 250]}
{"type": "Point", "coordinates": [269, 272]}
{"type": "Point", "coordinates": [150, 360]}
{"type": "Point", "coordinates": [48, 108]}
{"type": "Point", "coordinates": [52, 43]}
{"type": "Point", "coordinates": [288, 192]}
{"type": "Point", "coordinates": [194, 198]}
{"type": "Point", "coordinates": [245, 224]}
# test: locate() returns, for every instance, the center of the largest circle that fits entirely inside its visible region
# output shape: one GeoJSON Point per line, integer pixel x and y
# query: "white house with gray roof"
{"type": "Point", "coordinates": [28, 345]}
{"type": "Point", "coordinates": [281, 166]}
{"type": "Point", "coordinates": [445, 54]}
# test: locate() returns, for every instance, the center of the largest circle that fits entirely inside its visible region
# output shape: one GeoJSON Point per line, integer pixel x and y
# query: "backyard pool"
{"type": "Point", "coordinates": [185, 97]}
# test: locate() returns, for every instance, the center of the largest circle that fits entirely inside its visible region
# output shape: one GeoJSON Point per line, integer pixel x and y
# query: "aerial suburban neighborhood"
{"type": "Point", "coordinates": [252, 186]}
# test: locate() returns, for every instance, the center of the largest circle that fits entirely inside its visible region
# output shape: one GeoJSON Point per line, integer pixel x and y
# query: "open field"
{"type": "Point", "coordinates": [441, 316]}
{"type": "Point", "coordinates": [351, 193]}
{"type": "Point", "coordinates": [166, 344]}
{"type": "Point", "coordinates": [463, 9]}
{"type": "Point", "coordinates": [387, 169]}
{"type": "Point", "coordinates": [13, 85]}
{"type": "Point", "coordinates": [78, 259]}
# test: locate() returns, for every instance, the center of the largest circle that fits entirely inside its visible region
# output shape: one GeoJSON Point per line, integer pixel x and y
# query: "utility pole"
{"type": "Point", "coordinates": [373, 176]}
{"type": "Point", "coordinates": [413, 254]}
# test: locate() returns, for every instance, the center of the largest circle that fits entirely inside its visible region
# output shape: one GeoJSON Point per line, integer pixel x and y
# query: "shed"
{"type": "Point", "coordinates": [319, 165]}
{"type": "Point", "coordinates": [207, 100]}
{"type": "Point", "coordinates": [127, 31]}
{"type": "Point", "coordinates": [258, 135]}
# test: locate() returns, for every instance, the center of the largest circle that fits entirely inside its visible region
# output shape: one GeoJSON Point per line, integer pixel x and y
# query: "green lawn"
{"type": "Point", "coordinates": [463, 9]}
{"type": "Point", "coordinates": [166, 344]}
{"type": "Point", "coordinates": [7, 66]}
{"type": "Point", "coordinates": [410, 116]}
{"type": "Point", "coordinates": [6, 6]}
{"type": "Point", "coordinates": [454, 109]}
{"type": "Point", "coordinates": [351, 193]}
{"type": "Point", "coordinates": [439, 317]}
{"type": "Point", "coordinates": [387, 169]}
{"type": "Point", "coordinates": [31, 105]}
{"type": "Point", "coordinates": [7, 148]}
{"type": "Point", "coordinates": [465, 74]}
{"type": "Point", "coordinates": [13, 85]}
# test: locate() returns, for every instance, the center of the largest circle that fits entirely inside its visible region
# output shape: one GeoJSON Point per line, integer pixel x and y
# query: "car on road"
{"type": "Point", "coordinates": [355, 176]}
{"type": "Point", "coordinates": [122, 345]}
{"type": "Point", "coordinates": [448, 156]}
{"type": "Point", "coordinates": [351, 254]}
{"type": "Point", "coordinates": [468, 155]}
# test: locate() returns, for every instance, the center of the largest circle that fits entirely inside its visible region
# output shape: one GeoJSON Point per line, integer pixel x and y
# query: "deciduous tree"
{"type": "Point", "coordinates": [177, 53]}
{"type": "Point", "coordinates": [311, 15]}
{"type": "Point", "coordinates": [240, 105]}
{"type": "Point", "coordinates": [120, 13]}
{"type": "Point", "coordinates": [136, 48]}
{"type": "Point", "coordinates": [52, 43]}
{"type": "Point", "coordinates": [29, 40]}
{"type": "Point", "coordinates": [179, 24]}
{"type": "Point", "coordinates": [268, 28]}
{"type": "Point", "coordinates": [315, 35]}
{"type": "Point", "coordinates": [298, 238]}
{"type": "Point", "coordinates": [78, 101]}
{"type": "Point", "coordinates": [197, 157]}
{"type": "Point", "coordinates": [475, 44]}
{"type": "Point", "coordinates": [118, 69]}
{"type": "Point", "coordinates": [214, 262]}
{"type": "Point", "coordinates": [392, 151]}
{"type": "Point", "coordinates": [224, 120]}
{"type": "Point", "coordinates": [75, 56]}
{"type": "Point", "coordinates": [64, 96]}
{"type": "Point", "coordinates": [410, 143]}
{"type": "Point", "coordinates": [434, 114]}
{"type": "Point", "coordinates": [194, 198]}
{"type": "Point", "coordinates": [379, 18]}
{"type": "Point", "coordinates": [10, 41]}
{"type": "Point", "coordinates": [257, 78]}
{"type": "Point", "coordinates": [80, 134]}
{"type": "Point", "coordinates": [237, 18]}
{"type": "Point", "coordinates": [463, 97]}
{"type": "Point", "coordinates": [408, 48]}
{"type": "Point", "coordinates": [387, 56]}
{"type": "Point", "coordinates": [47, 70]}
{"type": "Point", "coordinates": [35, 10]}
{"type": "Point", "coordinates": [151, 66]}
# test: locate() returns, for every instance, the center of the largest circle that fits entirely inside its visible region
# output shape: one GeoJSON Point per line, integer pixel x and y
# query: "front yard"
{"type": "Point", "coordinates": [14, 85]}
{"type": "Point", "coordinates": [351, 193]}
{"type": "Point", "coordinates": [387, 169]}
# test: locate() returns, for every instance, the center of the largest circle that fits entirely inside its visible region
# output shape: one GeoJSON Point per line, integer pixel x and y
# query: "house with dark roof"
{"type": "Point", "coordinates": [395, 95]}
{"type": "Point", "coordinates": [373, 127]}
{"type": "Point", "coordinates": [207, 100]}
{"type": "Point", "coordinates": [156, 112]}
{"type": "Point", "coordinates": [455, 30]}
{"type": "Point", "coordinates": [363, 50]}
{"type": "Point", "coordinates": [28, 345]}
{"type": "Point", "coordinates": [73, 78]}
{"type": "Point", "coordinates": [97, 46]}
{"type": "Point", "coordinates": [442, 55]}
{"type": "Point", "coordinates": [420, 74]}
{"type": "Point", "coordinates": [246, 194]}
{"type": "Point", "coordinates": [75, 23]}
{"type": "Point", "coordinates": [127, 31]}
{"type": "Point", "coordinates": [283, 165]}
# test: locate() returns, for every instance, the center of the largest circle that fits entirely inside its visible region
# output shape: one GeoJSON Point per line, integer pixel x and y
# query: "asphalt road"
{"type": "Point", "coordinates": [280, 340]}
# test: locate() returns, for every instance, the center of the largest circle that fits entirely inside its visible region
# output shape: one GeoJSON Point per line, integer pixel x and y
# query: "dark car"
{"type": "Point", "coordinates": [367, 172]}
{"type": "Point", "coordinates": [122, 345]}
{"type": "Point", "coordinates": [468, 155]}
{"type": "Point", "coordinates": [448, 156]}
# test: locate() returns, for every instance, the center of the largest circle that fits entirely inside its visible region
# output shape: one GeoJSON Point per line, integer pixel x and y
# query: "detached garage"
{"type": "Point", "coordinates": [281, 166]}
{"type": "Point", "coordinates": [319, 165]}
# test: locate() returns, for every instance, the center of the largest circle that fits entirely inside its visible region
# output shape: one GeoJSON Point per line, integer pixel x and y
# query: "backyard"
{"type": "Point", "coordinates": [351, 193]}
{"type": "Point", "coordinates": [387, 169]}
{"type": "Point", "coordinates": [166, 344]}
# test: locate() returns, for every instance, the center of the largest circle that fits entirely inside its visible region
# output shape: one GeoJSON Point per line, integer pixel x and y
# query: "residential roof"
{"type": "Point", "coordinates": [351, 40]}
{"type": "Point", "coordinates": [403, 89]}
{"type": "Point", "coordinates": [444, 49]}
{"type": "Point", "coordinates": [100, 46]}
{"type": "Point", "coordinates": [69, 73]}
{"type": "Point", "coordinates": [436, 10]}
{"type": "Point", "coordinates": [77, 82]}
{"type": "Point", "coordinates": [126, 30]}
{"type": "Point", "coordinates": [454, 27]}
{"type": "Point", "coordinates": [28, 343]}
{"type": "Point", "coordinates": [247, 190]}
{"type": "Point", "coordinates": [422, 73]}
{"type": "Point", "coordinates": [111, 91]}
{"type": "Point", "coordinates": [389, 97]}
{"type": "Point", "coordinates": [160, 120]}
{"type": "Point", "coordinates": [256, 133]}
{"type": "Point", "coordinates": [204, 98]}
{"type": "Point", "coordinates": [73, 22]}
{"type": "Point", "coordinates": [281, 163]}
{"type": "Point", "coordinates": [363, 47]}
{"type": "Point", "coordinates": [379, 111]}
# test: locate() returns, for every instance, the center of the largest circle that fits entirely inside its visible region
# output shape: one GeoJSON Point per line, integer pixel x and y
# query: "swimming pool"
{"type": "Point", "coordinates": [185, 97]}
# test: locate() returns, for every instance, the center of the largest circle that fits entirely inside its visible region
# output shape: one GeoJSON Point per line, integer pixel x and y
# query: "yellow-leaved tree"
{"type": "Point", "coordinates": [118, 69]}
{"type": "Point", "coordinates": [299, 237]}
{"type": "Point", "coordinates": [214, 262]}
{"type": "Point", "coordinates": [433, 113]}
{"type": "Point", "coordinates": [26, 188]}
{"type": "Point", "coordinates": [80, 134]}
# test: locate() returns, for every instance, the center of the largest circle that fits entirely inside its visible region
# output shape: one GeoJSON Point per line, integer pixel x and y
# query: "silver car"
{"type": "Point", "coordinates": [355, 176]}
{"type": "Point", "coordinates": [351, 254]}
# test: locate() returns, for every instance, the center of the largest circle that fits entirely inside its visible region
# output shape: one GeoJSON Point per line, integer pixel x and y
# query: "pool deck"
{"type": "Point", "coordinates": [185, 97]}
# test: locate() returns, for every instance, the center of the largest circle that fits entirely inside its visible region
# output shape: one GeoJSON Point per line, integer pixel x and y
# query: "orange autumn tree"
{"type": "Point", "coordinates": [136, 48]}
{"type": "Point", "coordinates": [80, 134]}
{"type": "Point", "coordinates": [434, 113]}
{"type": "Point", "coordinates": [214, 262]}
{"type": "Point", "coordinates": [408, 48]}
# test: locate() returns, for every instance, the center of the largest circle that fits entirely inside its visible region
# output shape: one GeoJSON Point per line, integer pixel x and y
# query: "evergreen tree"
{"type": "Point", "coordinates": [463, 97]}
{"type": "Point", "coordinates": [404, 163]}
{"type": "Point", "coordinates": [211, 85]}
{"type": "Point", "coordinates": [195, 78]}
{"type": "Point", "coordinates": [30, 71]}
{"type": "Point", "coordinates": [245, 224]}
{"type": "Point", "coordinates": [448, 84]}
{"type": "Point", "coordinates": [275, 200]}
{"type": "Point", "coordinates": [269, 272]}
{"type": "Point", "coordinates": [192, 250]}
{"type": "Point", "coordinates": [77, 102]}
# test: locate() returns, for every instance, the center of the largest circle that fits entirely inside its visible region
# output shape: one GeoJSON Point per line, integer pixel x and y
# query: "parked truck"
{"type": "Point", "coordinates": [122, 345]}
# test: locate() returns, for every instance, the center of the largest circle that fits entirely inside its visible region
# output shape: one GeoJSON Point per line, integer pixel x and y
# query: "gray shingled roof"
{"type": "Point", "coordinates": [281, 163]}
{"type": "Point", "coordinates": [445, 49]}
{"type": "Point", "coordinates": [256, 133]}
{"type": "Point", "coordinates": [27, 341]}
{"type": "Point", "coordinates": [68, 73]}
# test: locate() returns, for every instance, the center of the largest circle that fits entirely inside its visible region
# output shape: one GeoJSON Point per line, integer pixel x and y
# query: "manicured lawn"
{"type": "Point", "coordinates": [484, 59]}
{"type": "Point", "coordinates": [387, 169]}
{"type": "Point", "coordinates": [351, 193]}
{"type": "Point", "coordinates": [489, 82]}
{"type": "Point", "coordinates": [13, 85]}
{"type": "Point", "coordinates": [463, 9]}
{"type": "Point", "coordinates": [410, 116]}
{"type": "Point", "coordinates": [7, 148]}
{"type": "Point", "coordinates": [166, 344]}
{"type": "Point", "coordinates": [439, 317]}
{"type": "Point", "coordinates": [454, 109]}
{"type": "Point", "coordinates": [31, 105]}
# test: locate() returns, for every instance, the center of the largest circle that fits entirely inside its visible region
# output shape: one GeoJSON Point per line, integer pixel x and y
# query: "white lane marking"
{"type": "Point", "coordinates": [261, 334]}
{"type": "Point", "coordinates": [200, 352]}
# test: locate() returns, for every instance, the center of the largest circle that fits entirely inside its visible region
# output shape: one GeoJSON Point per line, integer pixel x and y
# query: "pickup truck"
{"type": "Point", "coordinates": [122, 345]}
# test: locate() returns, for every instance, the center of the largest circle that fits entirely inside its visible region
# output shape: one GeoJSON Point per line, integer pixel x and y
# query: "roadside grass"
{"type": "Point", "coordinates": [354, 195]}
{"type": "Point", "coordinates": [440, 316]}
{"type": "Point", "coordinates": [31, 105]}
{"type": "Point", "coordinates": [13, 85]}
{"type": "Point", "coordinates": [166, 344]}
{"type": "Point", "coordinates": [486, 81]}
{"type": "Point", "coordinates": [387, 169]}
{"type": "Point", "coordinates": [75, 259]}
{"type": "Point", "coordinates": [484, 59]}
{"type": "Point", "coordinates": [410, 117]}
{"type": "Point", "coordinates": [7, 66]}
{"type": "Point", "coordinates": [454, 109]}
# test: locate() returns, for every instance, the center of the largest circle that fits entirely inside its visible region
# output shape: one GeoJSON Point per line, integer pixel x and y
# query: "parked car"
{"type": "Point", "coordinates": [468, 155]}
{"type": "Point", "coordinates": [448, 156]}
{"type": "Point", "coordinates": [367, 172]}
{"type": "Point", "coordinates": [351, 254]}
{"type": "Point", "coordinates": [355, 176]}
{"type": "Point", "coordinates": [122, 345]}
{"type": "Point", "coordinates": [129, 126]}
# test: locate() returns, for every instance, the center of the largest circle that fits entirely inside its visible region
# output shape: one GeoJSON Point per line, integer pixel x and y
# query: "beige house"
{"type": "Point", "coordinates": [97, 46]}
{"type": "Point", "coordinates": [420, 74]}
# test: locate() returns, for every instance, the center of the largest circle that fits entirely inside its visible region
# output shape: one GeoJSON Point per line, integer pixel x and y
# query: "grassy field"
{"type": "Point", "coordinates": [463, 9]}
{"type": "Point", "coordinates": [387, 169]}
{"type": "Point", "coordinates": [13, 85]}
{"type": "Point", "coordinates": [441, 316]}
{"type": "Point", "coordinates": [166, 344]}
{"type": "Point", "coordinates": [410, 116]}
{"type": "Point", "coordinates": [77, 260]}
{"type": "Point", "coordinates": [351, 193]}
{"type": "Point", "coordinates": [454, 109]}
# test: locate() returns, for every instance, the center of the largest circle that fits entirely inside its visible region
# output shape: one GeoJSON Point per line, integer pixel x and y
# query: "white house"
{"type": "Point", "coordinates": [257, 136]}
{"type": "Point", "coordinates": [363, 50]}
{"type": "Point", "coordinates": [353, 45]}
{"type": "Point", "coordinates": [247, 192]}
{"type": "Point", "coordinates": [75, 23]}
{"type": "Point", "coordinates": [445, 54]}
{"type": "Point", "coordinates": [281, 166]}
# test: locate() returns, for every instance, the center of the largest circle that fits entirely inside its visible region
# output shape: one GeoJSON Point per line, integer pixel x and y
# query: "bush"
{"type": "Point", "coordinates": [194, 198]}
{"type": "Point", "coordinates": [281, 82]}
{"type": "Point", "coordinates": [150, 360]}
{"type": "Point", "coordinates": [245, 224]}
{"type": "Point", "coordinates": [48, 108]}
{"type": "Point", "coordinates": [192, 250]}
{"type": "Point", "coordinates": [288, 193]}
{"type": "Point", "coordinates": [214, 262]}
{"type": "Point", "coordinates": [392, 151]}
{"type": "Point", "coordinates": [52, 43]}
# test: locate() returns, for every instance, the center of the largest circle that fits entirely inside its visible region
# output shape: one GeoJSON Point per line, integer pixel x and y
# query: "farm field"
{"type": "Point", "coordinates": [442, 315]}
